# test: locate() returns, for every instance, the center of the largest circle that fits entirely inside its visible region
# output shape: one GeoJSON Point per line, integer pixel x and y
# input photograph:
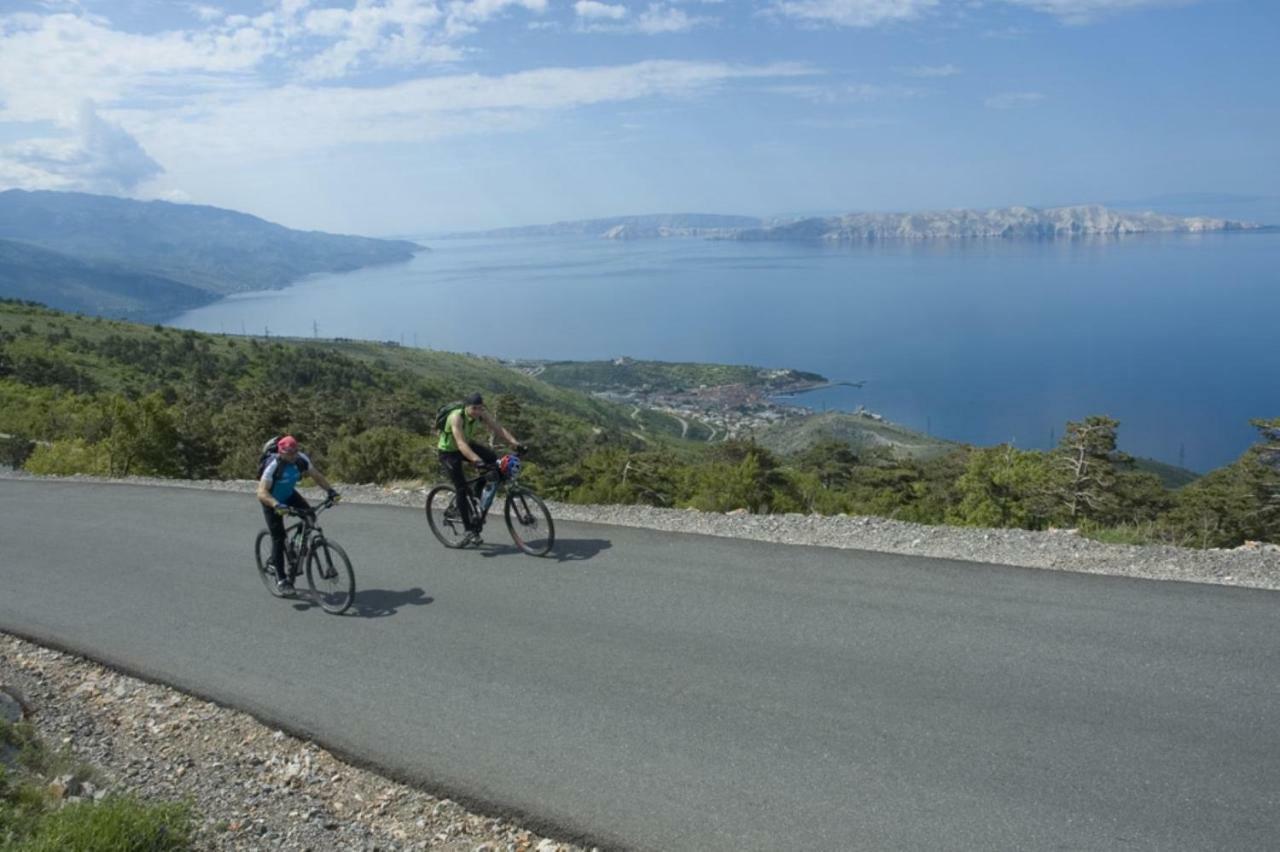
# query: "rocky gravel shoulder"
{"type": "Point", "coordinates": [252, 787]}
{"type": "Point", "coordinates": [1253, 565]}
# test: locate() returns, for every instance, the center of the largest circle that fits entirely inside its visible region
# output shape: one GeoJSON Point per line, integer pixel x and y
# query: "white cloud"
{"type": "Point", "coordinates": [853, 13]}
{"type": "Point", "coordinates": [930, 71]}
{"type": "Point", "coordinates": [298, 118]}
{"type": "Point", "coordinates": [1013, 100]}
{"type": "Point", "coordinates": [659, 18]}
{"type": "Point", "coordinates": [102, 157]}
{"type": "Point", "coordinates": [857, 123]}
{"type": "Point", "coordinates": [73, 56]}
{"type": "Point", "coordinates": [205, 13]}
{"type": "Point", "coordinates": [390, 33]}
{"type": "Point", "coordinates": [596, 11]}
{"type": "Point", "coordinates": [1085, 11]}
{"type": "Point", "coordinates": [656, 19]}
{"type": "Point", "coordinates": [843, 92]}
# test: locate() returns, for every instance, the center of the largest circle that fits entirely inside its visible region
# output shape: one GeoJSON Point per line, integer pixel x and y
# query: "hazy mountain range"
{"type": "Point", "coordinates": [1008, 222]}
{"type": "Point", "coordinates": [151, 259]}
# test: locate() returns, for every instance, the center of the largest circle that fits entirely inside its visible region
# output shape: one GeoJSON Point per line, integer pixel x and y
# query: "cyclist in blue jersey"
{"type": "Point", "coordinates": [278, 494]}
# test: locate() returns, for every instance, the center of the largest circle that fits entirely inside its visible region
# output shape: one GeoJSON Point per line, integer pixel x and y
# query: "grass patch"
{"type": "Point", "coordinates": [34, 820]}
{"type": "Point", "coordinates": [116, 824]}
{"type": "Point", "coordinates": [1135, 534]}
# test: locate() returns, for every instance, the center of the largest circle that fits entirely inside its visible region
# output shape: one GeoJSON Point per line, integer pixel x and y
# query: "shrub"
{"type": "Point", "coordinates": [380, 455]}
{"type": "Point", "coordinates": [65, 458]}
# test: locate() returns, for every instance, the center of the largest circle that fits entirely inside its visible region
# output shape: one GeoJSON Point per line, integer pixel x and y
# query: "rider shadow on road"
{"type": "Point", "coordinates": [564, 550]}
{"type": "Point", "coordinates": [379, 603]}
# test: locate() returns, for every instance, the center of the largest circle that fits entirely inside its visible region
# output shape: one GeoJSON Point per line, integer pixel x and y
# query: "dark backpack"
{"type": "Point", "coordinates": [270, 451]}
{"type": "Point", "coordinates": [443, 412]}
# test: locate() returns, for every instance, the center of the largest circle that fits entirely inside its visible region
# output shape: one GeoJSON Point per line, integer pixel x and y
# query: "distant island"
{"type": "Point", "coordinates": [1006, 222]}
{"type": "Point", "coordinates": [150, 260]}
{"type": "Point", "coordinates": [633, 227]}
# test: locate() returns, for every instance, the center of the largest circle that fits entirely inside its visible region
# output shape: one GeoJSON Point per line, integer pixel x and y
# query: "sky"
{"type": "Point", "coordinates": [403, 117]}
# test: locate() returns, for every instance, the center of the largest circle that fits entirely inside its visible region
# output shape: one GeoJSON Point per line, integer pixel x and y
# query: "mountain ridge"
{"type": "Point", "coordinates": [211, 250]}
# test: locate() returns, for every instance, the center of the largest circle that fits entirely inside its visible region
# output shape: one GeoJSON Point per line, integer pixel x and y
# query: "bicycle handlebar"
{"type": "Point", "coordinates": [329, 503]}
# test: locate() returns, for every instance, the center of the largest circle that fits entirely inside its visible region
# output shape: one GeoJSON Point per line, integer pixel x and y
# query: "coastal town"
{"type": "Point", "coordinates": [704, 411]}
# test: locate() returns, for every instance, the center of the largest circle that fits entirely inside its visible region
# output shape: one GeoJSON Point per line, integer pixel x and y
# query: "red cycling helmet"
{"type": "Point", "coordinates": [287, 444]}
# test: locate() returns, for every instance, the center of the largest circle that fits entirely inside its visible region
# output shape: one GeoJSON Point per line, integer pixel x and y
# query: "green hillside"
{"type": "Point", "coordinates": [32, 273]}
{"type": "Point", "coordinates": [860, 432]}
{"type": "Point", "coordinates": [369, 407]}
{"type": "Point", "coordinates": [1170, 474]}
{"type": "Point", "coordinates": [114, 255]}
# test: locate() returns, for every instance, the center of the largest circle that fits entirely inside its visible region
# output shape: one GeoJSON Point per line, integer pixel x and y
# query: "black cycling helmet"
{"type": "Point", "coordinates": [474, 399]}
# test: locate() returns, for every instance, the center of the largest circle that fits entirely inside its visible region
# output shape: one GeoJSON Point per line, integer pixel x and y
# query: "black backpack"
{"type": "Point", "coordinates": [269, 451]}
{"type": "Point", "coordinates": [443, 412]}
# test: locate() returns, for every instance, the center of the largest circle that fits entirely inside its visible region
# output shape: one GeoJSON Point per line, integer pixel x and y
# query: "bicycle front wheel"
{"type": "Point", "coordinates": [262, 550]}
{"type": "Point", "coordinates": [330, 576]}
{"type": "Point", "coordinates": [443, 516]}
{"type": "Point", "coordinates": [529, 523]}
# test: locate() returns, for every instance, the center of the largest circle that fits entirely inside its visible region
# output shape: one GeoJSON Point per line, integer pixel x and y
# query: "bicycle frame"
{"type": "Point", "coordinates": [504, 485]}
{"type": "Point", "coordinates": [299, 537]}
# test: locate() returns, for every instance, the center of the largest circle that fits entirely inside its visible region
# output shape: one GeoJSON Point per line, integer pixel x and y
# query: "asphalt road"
{"type": "Point", "coordinates": [653, 690]}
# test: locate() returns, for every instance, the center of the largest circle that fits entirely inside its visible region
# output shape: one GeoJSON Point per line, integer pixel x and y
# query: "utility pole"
{"type": "Point", "coordinates": [315, 329]}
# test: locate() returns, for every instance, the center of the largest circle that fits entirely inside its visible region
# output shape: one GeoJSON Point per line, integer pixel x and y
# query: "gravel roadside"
{"type": "Point", "coordinates": [254, 787]}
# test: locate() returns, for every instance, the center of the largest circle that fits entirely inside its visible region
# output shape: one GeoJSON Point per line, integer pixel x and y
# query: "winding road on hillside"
{"type": "Point", "coordinates": [653, 690]}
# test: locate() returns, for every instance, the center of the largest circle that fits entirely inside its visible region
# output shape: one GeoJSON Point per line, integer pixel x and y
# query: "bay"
{"type": "Point", "coordinates": [982, 341]}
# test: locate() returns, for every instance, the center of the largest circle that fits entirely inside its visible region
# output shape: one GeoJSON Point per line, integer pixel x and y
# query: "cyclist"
{"type": "Point", "coordinates": [458, 444]}
{"type": "Point", "coordinates": [278, 494]}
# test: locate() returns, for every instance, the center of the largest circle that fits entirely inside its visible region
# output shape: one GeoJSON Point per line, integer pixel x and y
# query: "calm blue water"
{"type": "Point", "coordinates": [983, 341]}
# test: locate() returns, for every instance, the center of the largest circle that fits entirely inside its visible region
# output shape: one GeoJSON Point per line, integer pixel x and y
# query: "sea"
{"type": "Point", "coordinates": [979, 341]}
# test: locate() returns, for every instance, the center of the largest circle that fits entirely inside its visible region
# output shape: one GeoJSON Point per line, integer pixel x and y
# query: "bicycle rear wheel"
{"type": "Point", "coordinates": [330, 576]}
{"type": "Point", "coordinates": [262, 550]}
{"type": "Point", "coordinates": [443, 516]}
{"type": "Point", "coordinates": [529, 523]}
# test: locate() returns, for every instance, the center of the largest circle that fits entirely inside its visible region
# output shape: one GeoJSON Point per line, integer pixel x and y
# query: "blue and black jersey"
{"type": "Point", "coordinates": [282, 477]}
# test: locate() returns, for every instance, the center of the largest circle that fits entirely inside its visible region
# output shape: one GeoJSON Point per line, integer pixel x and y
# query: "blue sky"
{"type": "Point", "coordinates": [409, 116]}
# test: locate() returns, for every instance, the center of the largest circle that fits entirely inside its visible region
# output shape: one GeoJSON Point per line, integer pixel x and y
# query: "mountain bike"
{"type": "Point", "coordinates": [329, 573]}
{"type": "Point", "coordinates": [527, 517]}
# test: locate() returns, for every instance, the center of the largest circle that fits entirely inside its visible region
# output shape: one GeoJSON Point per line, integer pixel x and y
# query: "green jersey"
{"type": "Point", "coordinates": [470, 426]}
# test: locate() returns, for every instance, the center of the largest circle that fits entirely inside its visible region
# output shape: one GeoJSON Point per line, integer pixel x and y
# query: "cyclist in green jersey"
{"type": "Point", "coordinates": [458, 445]}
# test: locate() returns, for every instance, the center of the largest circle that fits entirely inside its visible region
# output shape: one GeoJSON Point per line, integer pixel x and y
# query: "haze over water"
{"type": "Point", "coordinates": [984, 341]}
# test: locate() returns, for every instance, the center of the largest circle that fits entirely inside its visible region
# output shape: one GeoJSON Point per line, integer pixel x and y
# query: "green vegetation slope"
{"type": "Point", "coordinates": [862, 433]}
{"type": "Point", "coordinates": [98, 396]}
{"type": "Point", "coordinates": [60, 281]}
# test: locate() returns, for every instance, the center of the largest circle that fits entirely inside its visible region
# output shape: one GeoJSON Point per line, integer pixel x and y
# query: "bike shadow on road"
{"type": "Point", "coordinates": [564, 550]}
{"type": "Point", "coordinates": [377, 603]}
